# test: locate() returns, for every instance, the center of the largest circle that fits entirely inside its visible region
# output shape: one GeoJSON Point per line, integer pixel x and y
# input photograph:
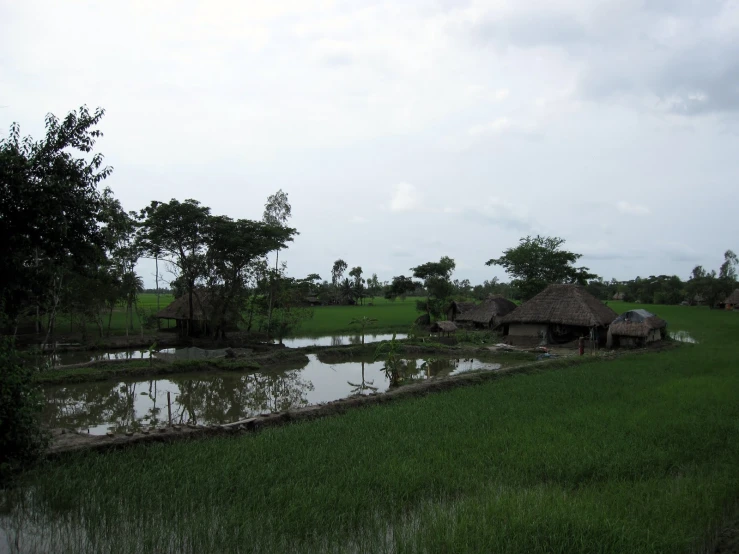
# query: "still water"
{"type": "Point", "coordinates": [77, 357]}
{"type": "Point", "coordinates": [215, 398]}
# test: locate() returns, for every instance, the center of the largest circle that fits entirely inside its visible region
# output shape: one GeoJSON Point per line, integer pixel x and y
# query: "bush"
{"type": "Point", "coordinates": [22, 439]}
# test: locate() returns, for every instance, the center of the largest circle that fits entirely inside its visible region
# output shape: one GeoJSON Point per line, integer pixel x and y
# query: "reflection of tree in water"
{"type": "Point", "coordinates": [215, 400]}
{"type": "Point", "coordinates": [365, 385]}
{"type": "Point", "coordinates": [91, 404]}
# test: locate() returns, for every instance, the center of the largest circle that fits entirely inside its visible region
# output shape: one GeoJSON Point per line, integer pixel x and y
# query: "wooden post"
{"type": "Point", "coordinates": [169, 407]}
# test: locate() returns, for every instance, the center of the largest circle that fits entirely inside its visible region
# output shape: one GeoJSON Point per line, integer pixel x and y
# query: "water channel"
{"type": "Point", "coordinates": [215, 398]}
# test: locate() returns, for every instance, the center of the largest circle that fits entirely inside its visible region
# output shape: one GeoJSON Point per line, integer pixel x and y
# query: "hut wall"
{"type": "Point", "coordinates": [528, 329]}
{"type": "Point", "coordinates": [654, 335]}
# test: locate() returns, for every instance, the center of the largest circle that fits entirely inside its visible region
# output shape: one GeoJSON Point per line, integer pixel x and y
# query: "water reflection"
{"type": "Point", "coordinates": [216, 398]}
{"type": "Point", "coordinates": [80, 357]}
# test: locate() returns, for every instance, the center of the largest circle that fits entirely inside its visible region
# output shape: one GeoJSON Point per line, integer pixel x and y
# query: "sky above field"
{"type": "Point", "coordinates": [406, 131]}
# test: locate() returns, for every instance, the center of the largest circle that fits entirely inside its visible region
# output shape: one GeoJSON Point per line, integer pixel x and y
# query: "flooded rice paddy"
{"type": "Point", "coordinates": [216, 398]}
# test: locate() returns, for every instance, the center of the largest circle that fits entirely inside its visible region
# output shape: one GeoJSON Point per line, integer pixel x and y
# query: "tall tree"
{"type": "Point", "coordinates": [235, 249]}
{"type": "Point", "coordinates": [50, 207]}
{"type": "Point", "coordinates": [358, 283]}
{"type": "Point", "coordinates": [540, 261]}
{"type": "Point", "coordinates": [436, 280]}
{"type": "Point", "coordinates": [179, 232]}
{"type": "Point", "coordinates": [277, 211]}
{"type": "Point", "coordinates": [337, 273]}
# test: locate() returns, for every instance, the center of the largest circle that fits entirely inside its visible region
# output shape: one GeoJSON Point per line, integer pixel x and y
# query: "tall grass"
{"type": "Point", "coordinates": [640, 454]}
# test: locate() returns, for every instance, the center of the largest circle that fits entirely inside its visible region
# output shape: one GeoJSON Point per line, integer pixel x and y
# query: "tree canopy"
{"type": "Point", "coordinates": [540, 261]}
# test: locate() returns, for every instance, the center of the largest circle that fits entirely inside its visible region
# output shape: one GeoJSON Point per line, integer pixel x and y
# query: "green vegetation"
{"type": "Point", "coordinates": [21, 439]}
{"type": "Point", "coordinates": [333, 320]}
{"type": "Point", "coordinates": [639, 454]}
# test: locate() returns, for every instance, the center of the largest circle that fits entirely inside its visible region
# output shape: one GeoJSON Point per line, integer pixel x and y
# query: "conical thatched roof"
{"type": "Point", "coordinates": [493, 306]}
{"type": "Point", "coordinates": [636, 323]}
{"type": "Point", "coordinates": [733, 298]}
{"type": "Point", "coordinates": [564, 305]}
{"type": "Point", "coordinates": [462, 307]}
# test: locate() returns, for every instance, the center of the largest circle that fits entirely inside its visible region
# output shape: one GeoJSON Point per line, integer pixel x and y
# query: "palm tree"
{"type": "Point", "coordinates": [131, 286]}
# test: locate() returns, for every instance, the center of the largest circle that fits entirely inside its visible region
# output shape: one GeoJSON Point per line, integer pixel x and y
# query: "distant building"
{"type": "Point", "coordinates": [732, 301]}
{"type": "Point", "coordinates": [619, 296]}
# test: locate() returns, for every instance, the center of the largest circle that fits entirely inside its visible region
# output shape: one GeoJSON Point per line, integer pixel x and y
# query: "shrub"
{"type": "Point", "coordinates": [22, 439]}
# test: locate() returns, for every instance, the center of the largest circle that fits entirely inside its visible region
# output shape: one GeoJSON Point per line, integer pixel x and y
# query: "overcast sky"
{"type": "Point", "coordinates": [406, 131]}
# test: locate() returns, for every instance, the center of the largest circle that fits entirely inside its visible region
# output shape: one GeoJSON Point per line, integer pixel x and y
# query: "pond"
{"type": "Point", "coordinates": [216, 398]}
{"type": "Point", "coordinates": [80, 357]}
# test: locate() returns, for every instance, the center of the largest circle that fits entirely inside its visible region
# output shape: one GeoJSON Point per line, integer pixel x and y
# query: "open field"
{"type": "Point", "coordinates": [640, 454]}
{"type": "Point", "coordinates": [327, 320]}
{"type": "Point", "coordinates": [391, 317]}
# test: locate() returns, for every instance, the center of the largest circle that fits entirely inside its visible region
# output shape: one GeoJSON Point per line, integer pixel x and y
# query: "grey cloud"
{"type": "Point", "coordinates": [531, 30]}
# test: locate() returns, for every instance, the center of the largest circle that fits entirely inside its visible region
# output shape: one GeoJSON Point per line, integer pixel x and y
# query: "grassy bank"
{"type": "Point", "coordinates": [638, 454]}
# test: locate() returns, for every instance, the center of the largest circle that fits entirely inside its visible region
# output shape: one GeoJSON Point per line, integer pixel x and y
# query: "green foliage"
{"type": "Point", "coordinates": [539, 261]}
{"type": "Point", "coordinates": [400, 287]}
{"type": "Point", "coordinates": [49, 210]}
{"type": "Point", "coordinates": [393, 366]}
{"type": "Point", "coordinates": [633, 455]}
{"type": "Point", "coordinates": [21, 438]}
{"type": "Point", "coordinates": [363, 323]}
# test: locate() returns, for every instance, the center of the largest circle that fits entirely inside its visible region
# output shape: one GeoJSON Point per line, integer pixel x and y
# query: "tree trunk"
{"type": "Point", "coordinates": [271, 293]}
{"type": "Point", "coordinates": [156, 278]}
{"type": "Point", "coordinates": [189, 316]}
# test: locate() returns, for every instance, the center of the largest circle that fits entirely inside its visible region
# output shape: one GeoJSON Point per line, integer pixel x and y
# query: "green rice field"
{"type": "Point", "coordinates": [638, 454]}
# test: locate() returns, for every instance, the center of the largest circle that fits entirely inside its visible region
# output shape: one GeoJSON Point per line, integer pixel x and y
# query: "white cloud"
{"type": "Point", "coordinates": [405, 198]}
{"type": "Point", "coordinates": [358, 219]}
{"type": "Point", "coordinates": [502, 126]}
{"type": "Point", "coordinates": [632, 209]}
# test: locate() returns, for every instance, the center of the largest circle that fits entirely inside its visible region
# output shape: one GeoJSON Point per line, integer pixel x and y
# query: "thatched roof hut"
{"type": "Point", "coordinates": [444, 327]}
{"type": "Point", "coordinates": [619, 296]}
{"type": "Point", "coordinates": [560, 313]}
{"type": "Point", "coordinates": [489, 313]}
{"type": "Point", "coordinates": [732, 301]}
{"type": "Point", "coordinates": [180, 308]}
{"type": "Point", "coordinates": [457, 308]}
{"type": "Point", "coordinates": [636, 327]}
{"type": "Point", "coordinates": [202, 312]}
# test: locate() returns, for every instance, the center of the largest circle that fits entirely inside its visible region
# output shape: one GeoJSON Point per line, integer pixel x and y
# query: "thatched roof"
{"type": "Point", "coordinates": [564, 305]}
{"type": "Point", "coordinates": [619, 296]}
{"type": "Point", "coordinates": [733, 298]}
{"type": "Point", "coordinates": [493, 306]}
{"type": "Point", "coordinates": [444, 326]}
{"type": "Point", "coordinates": [180, 308]}
{"type": "Point", "coordinates": [636, 323]}
{"type": "Point", "coordinates": [462, 307]}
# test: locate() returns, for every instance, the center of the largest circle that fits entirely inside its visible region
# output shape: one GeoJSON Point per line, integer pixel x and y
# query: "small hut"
{"type": "Point", "coordinates": [202, 312]}
{"type": "Point", "coordinates": [619, 296]}
{"type": "Point", "coordinates": [489, 313]}
{"type": "Point", "coordinates": [732, 301]}
{"type": "Point", "coordinates": [442, 327]}
{"type": "Point", "coordinates": [312, 301]}
{"type": "Point", "coordinates": [636, 328]}
{"type": "Point", "coordinates": [559, 314]}
{"type": "Point", "coordinates": [457, 308]}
